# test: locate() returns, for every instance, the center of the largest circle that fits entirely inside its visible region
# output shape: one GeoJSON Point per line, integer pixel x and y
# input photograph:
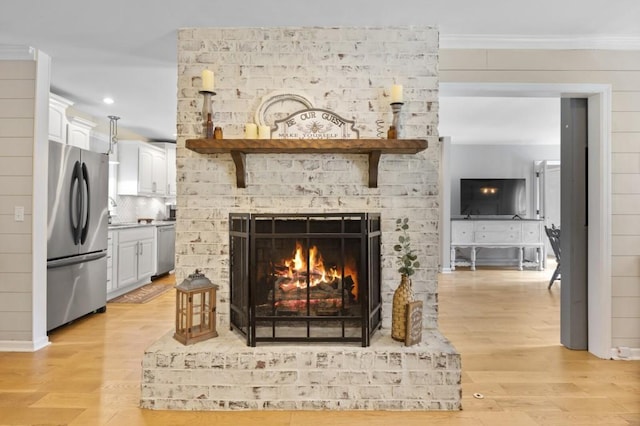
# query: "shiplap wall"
{"type": "Point", "coordinates": [620, 69]}
{"type": "Point", "coordinates": [17, 115]}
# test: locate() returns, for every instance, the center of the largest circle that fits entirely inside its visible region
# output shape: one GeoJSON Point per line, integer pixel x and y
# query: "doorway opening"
{"type": "Point", "coordinates": [598, 180]}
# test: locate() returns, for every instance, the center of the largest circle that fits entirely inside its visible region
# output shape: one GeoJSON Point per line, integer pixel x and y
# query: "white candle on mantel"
{"type": "Point", "coordinates": [251, 131]}
{"type": "Point", "coordinates": [207, 80]}
{"type": "Point", "coordinates": [264, 132]}
{"type": "Point", "coordinates": [396, 93]}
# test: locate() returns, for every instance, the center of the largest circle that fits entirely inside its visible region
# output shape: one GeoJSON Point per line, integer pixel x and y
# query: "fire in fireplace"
{"type": "Point", "coordinates": [305, 277]}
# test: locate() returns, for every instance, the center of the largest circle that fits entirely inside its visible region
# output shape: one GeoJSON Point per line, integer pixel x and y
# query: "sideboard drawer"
{"type": "Point", "coordinates": [462, 232]}
{"type": "Point", "coordinates": [531, 232]}
{"type": "Point", "coordinates": [498, 226]}
{"type": "Point", "coordinates": [497, 237]}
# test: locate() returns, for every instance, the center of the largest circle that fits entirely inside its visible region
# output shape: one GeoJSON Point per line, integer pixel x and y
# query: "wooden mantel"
{"type": "Point", "coordinates": [238, 148]}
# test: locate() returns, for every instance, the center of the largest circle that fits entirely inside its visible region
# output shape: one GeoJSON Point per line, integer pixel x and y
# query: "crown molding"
{"type": "Point", "coordinates": [558, 42]}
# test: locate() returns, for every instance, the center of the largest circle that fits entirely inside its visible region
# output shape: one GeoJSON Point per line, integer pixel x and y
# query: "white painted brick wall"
{"type": "Point", "coordinates": [347, 70]}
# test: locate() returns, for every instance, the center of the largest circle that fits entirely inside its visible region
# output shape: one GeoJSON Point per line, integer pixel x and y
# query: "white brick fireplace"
{"type": "Point", "coordinates": [348, 71]}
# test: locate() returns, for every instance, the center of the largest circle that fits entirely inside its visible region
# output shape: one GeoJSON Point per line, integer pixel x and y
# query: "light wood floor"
{"type": "Point", "coordinates": [504, 322]}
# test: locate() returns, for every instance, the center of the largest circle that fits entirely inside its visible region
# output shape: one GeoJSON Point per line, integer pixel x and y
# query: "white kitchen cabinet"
{"type": "Point", "coordinates": [159, 173]}
{"type": "Point", "coordinates": [58, 118]}
{"type": "Point", "coordinates": [79, 132]}
{"type": "Point", "coordinates": [128, 263]}
{"type": "Point", "coordinates": [170, 152]}
{"type": "Point", "coordinates": [110, 252]}
{"type": "Point", "coordinates": [142, 169]}
{"type": "Point", "coordinates": [74, 130]}
{"type": "Point", "coordinates": [145, 170]}
{"type": "Point", "coordinates": [171, 169]}
{"type": "Point", "coordinates": [133, 249]}
{"type": "Point", "coordinates": [147, 257]}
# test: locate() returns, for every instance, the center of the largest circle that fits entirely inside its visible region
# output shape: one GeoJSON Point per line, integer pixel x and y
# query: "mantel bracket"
{"type": "Point", "coordinates": [239, 158]}
{"type": "Point", "coordinates": [374, 160]}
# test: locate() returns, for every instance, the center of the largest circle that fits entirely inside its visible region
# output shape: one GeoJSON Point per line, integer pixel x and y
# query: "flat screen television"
{"type": "Point", "coordinates": [488, 197]}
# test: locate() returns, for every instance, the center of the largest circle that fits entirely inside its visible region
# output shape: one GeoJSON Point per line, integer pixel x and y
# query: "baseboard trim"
{"type": "Point", "coordinates": [23, 346]}
{"type": "Point", "coordinates": [625, 354]}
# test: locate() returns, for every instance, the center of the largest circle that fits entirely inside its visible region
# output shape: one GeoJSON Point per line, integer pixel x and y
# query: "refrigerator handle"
{"type": "Point", "coordinates": [85, 203]}
{"type": "Point", "coordinates": [58, 263]}
{"type": "Point", "coordinates": [74, 203]}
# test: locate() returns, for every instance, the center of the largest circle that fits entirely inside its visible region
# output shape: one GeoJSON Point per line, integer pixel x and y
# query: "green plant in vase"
{"type": "Point", "coordinates": [407, 262]}
{"type": "Point", "coordinates": [407, 259]}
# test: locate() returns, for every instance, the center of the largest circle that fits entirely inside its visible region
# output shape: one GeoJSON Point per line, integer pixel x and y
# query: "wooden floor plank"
{"type": "Point", "coordinates": [504, 322]}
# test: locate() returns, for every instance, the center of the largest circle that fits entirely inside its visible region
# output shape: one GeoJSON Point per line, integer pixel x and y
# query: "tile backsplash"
{"type": "Point", "coordinates": [131, 208]}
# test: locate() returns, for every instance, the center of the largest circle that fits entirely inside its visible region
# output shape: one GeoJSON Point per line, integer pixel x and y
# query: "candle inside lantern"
{"type": "Point", "coordinates": [264, 132]}
{"type": "Point", "coordinates": [251, 131]}
{"type": "Point", "coordinates": [396, 93]}
{"type": "Point", "coordinates": [207, 80]}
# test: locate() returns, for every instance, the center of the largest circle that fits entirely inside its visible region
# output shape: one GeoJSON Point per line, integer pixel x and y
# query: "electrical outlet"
{"type": "Point", "coordinates": [18, 213]}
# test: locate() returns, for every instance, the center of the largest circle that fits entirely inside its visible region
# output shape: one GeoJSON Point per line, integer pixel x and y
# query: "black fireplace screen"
{"type": "Point", "coordinates": [305, 277]}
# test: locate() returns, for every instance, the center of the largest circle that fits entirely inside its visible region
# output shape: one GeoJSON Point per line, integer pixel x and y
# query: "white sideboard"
{"type": "Point", "coordinates": [497, 233]}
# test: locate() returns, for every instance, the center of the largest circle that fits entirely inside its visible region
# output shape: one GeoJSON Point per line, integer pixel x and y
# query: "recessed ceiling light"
{"type": "Point", "coordinates": [108, 101]}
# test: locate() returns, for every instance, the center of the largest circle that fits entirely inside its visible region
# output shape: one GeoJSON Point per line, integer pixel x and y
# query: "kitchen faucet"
{"type": "Point", "coordinates": [112, 205]}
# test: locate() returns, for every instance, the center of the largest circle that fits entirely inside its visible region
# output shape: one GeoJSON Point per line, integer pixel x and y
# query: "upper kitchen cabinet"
{"type": "Point", "coordinates": [170, 151]}
{"type": "Point", "coordinates": [79, 132]}
{"type": "Point", "coordinates": [74, 131]}
{"type": "Point", "coordinates": [142, 169]}
{"type": "Point", "coordinates": [58, 118]}
{"type": "Point", "coordinates": [171, 170]}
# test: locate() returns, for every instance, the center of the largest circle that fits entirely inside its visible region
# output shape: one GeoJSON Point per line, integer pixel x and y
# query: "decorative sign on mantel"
{"type": "Point", "coordinates": [315, 123]}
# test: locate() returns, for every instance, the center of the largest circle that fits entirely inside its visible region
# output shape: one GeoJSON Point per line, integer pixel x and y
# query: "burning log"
{"type": "Point", "coordinates": [305, 279]}
{"type": "Point", "coordinates": [290, 284]}
{"type": "Point", "coordinates": [286, 284]}
{"type": "Point", "coordinates": [324, 305]}
{"type": "Point", "coordinates": [349, 286]}
{"type": "Point", "coordinates": [314, 293]}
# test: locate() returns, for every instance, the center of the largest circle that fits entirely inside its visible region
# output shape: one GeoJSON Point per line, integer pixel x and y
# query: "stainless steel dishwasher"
{"type": "Point", "coordinates": [166, 248]}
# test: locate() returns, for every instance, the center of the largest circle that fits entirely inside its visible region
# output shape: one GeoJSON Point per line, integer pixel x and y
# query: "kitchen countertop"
{"type": "Point", "coordinates": [124, 225]}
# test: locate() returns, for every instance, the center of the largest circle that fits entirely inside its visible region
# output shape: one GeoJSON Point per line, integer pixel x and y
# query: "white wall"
{"type": "Point", "coordinates": [496, 161]}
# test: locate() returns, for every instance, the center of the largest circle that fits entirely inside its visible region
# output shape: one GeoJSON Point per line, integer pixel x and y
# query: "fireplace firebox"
{"type": "Point", "coordinates": [305, 277]}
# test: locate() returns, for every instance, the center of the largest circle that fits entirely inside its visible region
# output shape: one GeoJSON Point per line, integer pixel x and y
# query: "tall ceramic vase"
{"type": "Point", "coordinates": [402, 296]}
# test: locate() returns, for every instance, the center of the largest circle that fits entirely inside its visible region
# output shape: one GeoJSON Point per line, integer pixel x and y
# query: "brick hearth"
{"type": "Point", "coordinates": [224, 374]}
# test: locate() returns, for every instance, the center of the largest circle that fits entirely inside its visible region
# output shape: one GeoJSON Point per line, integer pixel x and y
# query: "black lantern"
{"type": "Point", "coordinates": [195, 309]}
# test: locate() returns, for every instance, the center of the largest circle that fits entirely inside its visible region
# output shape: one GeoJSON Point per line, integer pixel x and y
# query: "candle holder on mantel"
{"type": "Point", "coordinates": [397, 123]}
{"type": "Point", "coordinates": [207, 114]}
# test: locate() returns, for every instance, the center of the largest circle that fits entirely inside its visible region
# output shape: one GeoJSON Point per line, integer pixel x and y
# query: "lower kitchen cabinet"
{"type": "Point", "coordinates": [110, 251]}
{"type": "Point", "coordinates": [135, 255]}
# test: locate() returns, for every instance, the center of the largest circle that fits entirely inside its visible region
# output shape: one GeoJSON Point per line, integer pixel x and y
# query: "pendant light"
{"type": "Point", "coordinates": [113, 132]}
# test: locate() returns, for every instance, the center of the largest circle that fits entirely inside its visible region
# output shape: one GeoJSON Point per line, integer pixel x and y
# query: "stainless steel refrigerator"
{"type": "Point", "coordinates": [77, 233]}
